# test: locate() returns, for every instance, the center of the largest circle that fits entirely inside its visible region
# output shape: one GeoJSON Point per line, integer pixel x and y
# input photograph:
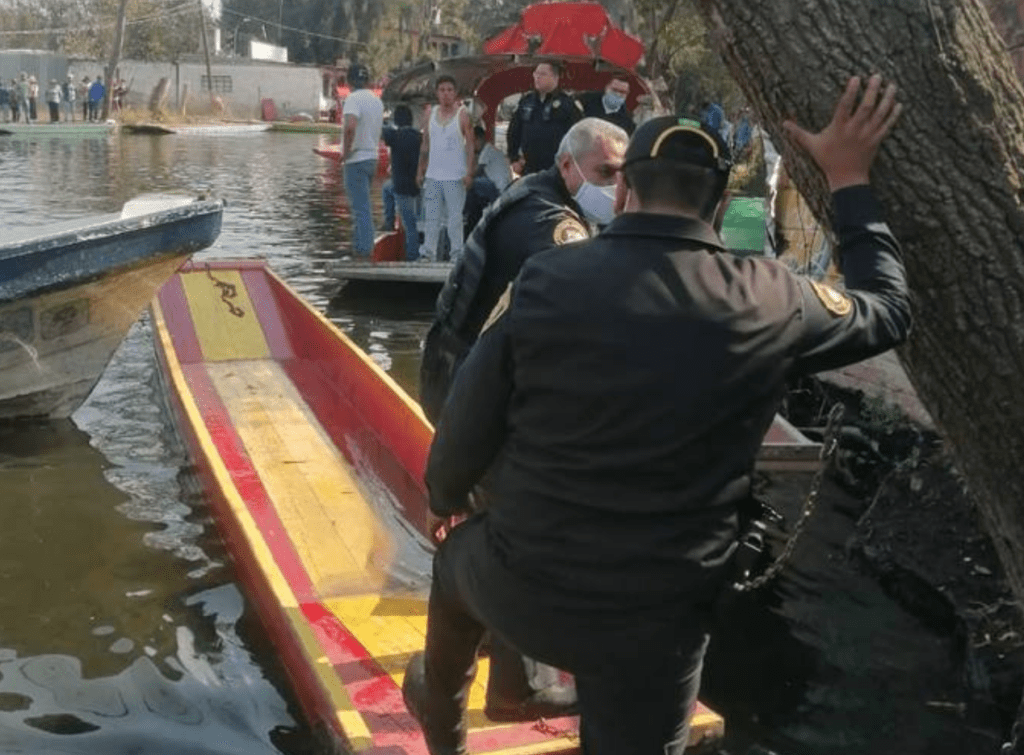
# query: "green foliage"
{"type": "Point", "coordinates": [156, 30]}
{"type": "Point", "coordinates": [678, 53]}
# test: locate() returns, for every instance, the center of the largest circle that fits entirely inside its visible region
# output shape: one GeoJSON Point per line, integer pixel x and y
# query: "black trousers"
{"type": "Point", "coordinates": [637, 671]}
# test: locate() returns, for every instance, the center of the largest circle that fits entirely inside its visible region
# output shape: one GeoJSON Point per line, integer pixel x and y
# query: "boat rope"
{"type": "Point", "coordinates": [228, 291]}
{"type": "Point", "coordinates": [829, 444]}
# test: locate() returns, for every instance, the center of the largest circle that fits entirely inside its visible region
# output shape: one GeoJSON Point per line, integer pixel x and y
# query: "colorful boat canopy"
{"type": "Point", "coordinates": [568, 29]}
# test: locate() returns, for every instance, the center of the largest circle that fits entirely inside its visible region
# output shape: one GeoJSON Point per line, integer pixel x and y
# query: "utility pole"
{"type": "Point", "coordinates": [206, 50]}
{"type": "Point", "coordinates": [115, 57]}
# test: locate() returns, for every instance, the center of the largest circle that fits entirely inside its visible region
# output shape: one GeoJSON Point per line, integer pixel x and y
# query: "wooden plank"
{"type": "Point", "coordinates": [226, 324]}
{"type": "Point", "coordinates": [400, 272]}
{"type": "Point", "coordinates": [343, 546]}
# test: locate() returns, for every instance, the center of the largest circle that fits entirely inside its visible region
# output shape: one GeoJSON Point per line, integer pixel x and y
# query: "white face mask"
{"type": "Point", "coordinates": [597, 202]}
{"type": "Point", "coordinates": [612, 101]}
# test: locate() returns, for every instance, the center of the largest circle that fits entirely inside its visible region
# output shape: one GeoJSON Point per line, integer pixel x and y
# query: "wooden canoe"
{"type": "Point", "coordinates": [313, 460]}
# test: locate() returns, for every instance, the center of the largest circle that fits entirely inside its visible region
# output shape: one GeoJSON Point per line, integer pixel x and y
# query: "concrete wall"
{"type": "Point", "coordinates": [43, 65]}
{"type": "Point", "coordinates": [293, 88]}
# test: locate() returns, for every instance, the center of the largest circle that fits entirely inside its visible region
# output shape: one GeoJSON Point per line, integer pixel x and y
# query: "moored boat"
{"type": "Point", "coordinates": [41, 130]}
{"type": "Point", "coordinates": [197, 129]}
{"type": "Point", "coordinates": [70, 291]}
{"type": "Point", "coordinates": [307, 127]}
{"type": "Point", "coordinates": [313, 460]}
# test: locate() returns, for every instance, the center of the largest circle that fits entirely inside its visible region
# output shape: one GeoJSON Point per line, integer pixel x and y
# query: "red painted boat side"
{"type": "Point", "coordinates": [380, 431]}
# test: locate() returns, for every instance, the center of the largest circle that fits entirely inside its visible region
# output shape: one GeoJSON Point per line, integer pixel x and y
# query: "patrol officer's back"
{"type": "Point", "coordinates": [616, 402]}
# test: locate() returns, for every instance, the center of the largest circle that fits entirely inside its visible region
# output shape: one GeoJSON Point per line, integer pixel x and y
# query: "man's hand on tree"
{"type": "Point", "coordinates": [846, 147]}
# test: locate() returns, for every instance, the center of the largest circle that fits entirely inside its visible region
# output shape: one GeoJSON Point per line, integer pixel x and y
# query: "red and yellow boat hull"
{"type": "Point", "coordinates": [313, 461]}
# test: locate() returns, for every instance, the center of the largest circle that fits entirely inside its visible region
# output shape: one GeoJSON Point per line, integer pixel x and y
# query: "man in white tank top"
{"type": "Point", "coordinates": [446, 169]}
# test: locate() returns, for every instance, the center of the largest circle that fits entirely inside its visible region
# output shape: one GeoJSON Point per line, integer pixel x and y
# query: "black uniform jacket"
{"type": "Point", "coordinates": [593, 107]}
{"type": "Point", "coordinates": [620, 400]}
{"type": "Point", "coordinates": [537, 128]}
{"type": "Point", "coordinates": [533, 214]}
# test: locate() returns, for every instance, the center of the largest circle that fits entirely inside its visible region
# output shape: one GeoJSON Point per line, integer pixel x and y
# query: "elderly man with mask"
{"type": "Point", "coordinates": [543, 210]}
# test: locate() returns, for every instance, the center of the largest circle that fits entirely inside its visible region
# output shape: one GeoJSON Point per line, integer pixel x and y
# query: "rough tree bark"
{"type": "Point", "coordinates": [950, 179]}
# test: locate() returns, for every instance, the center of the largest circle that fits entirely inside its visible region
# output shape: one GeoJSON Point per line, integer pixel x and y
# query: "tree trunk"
{"type": "Point", "coordinates": [115, 57]}
{"type": "Point", "coordinates": [950, 180]}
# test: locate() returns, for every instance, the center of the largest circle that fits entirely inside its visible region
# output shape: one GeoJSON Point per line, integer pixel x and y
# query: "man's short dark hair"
{"type": "Point", "coordinates": [667, 181]}
{"type": "Point", "coordinates": [402, 115]}
{"type": "Point", "coordinates": [445, 78]}
{"type": "Point", "coordinates": [556, 67]}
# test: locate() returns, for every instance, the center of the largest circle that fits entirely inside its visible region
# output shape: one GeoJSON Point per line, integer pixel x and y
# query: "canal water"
{"type": "Point", "coordinates": [122, 626]}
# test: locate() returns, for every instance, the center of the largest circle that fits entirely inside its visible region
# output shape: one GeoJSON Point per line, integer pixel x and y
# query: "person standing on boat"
{"type": "Point", "coordinates": [83, 97]}
{"type": "Point", "coordinates": [610, 104]}
{"type": "Point", "coordinates": [404, 142]}
{"type": "Point", "coordinates": [542, 118]}
{"type": "Point", "coordinates": [5, 102]}
{"type": "Point", "coordinates": [538, 212]}
{"type": "Point", "coordinates": [96, 93]}
{"type": "Point", "coordinates": [493, 174]}
{"type": "Point", "coordinates": [23, 91]}
{"type": "Point", "coordinates": [623, 386]}
{"type": "Point", "coordinates": [363, 115]}
{"type": "Point", "coordinates": [33, 99]}
{"type": "Point", "coordinates": [446, 169]}
{"type": "Point", "coordinates": [67, 95]}
{"type": "Point", "coordinates": [53, 100]}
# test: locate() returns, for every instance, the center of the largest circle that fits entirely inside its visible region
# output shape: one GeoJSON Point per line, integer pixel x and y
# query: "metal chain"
{"type": "Point", "coordinates": [829, 444]}
{"type": "Point", "coordinates": [227, 292]}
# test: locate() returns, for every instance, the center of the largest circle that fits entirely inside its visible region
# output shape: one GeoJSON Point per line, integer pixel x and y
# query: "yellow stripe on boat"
{"type": "Point", "coordinates": [225, 323]}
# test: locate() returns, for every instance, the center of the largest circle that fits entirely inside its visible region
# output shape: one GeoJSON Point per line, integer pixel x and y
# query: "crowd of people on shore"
{"type": "Point", "coordinates": [445, 169]}
{"type": "Point", "coordinates": [20, 99]}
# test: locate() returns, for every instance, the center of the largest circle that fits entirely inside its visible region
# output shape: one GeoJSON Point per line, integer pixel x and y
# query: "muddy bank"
{"type": "Point", "coordinates": [892, 630]}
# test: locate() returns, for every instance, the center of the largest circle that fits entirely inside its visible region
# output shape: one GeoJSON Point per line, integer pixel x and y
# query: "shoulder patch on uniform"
{"type": "Point", "coordinates": [570, 230]}
{"type": "Point", "coordinates": [834, 301]}
{"type": "Point", "coordinates": [499, 309]}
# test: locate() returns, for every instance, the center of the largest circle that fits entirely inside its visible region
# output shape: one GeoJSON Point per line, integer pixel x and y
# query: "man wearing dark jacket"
{"type": "Point", "coordinates": [404, 142]}
{"type": "Point", "coordinates": [610, 104]}
{"type": "Point", "coordinates": [616, 400]}
{"type": "Point", "coordinates": [542, 118]}
{"type": "Point", "coordinates": [538, 212]}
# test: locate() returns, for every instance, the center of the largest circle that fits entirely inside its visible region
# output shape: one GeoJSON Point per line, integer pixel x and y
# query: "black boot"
{"type": "Point", "coordinates": [521, 689]}
{"type": "Point", "coordinates": [417, 700]}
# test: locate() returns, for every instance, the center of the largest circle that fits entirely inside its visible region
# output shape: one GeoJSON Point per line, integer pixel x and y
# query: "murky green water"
{"type": "Point", "coordinates": [122, 628]}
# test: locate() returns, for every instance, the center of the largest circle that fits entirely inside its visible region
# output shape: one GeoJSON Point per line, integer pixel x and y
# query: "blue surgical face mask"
{"type": "Point", "coordinates": [612, 101]}
{"type": "Point", "coordinates": [597, 202]}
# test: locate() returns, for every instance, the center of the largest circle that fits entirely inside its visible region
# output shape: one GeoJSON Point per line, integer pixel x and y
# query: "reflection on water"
{"type": "Point", "coordinates": [122, 628]}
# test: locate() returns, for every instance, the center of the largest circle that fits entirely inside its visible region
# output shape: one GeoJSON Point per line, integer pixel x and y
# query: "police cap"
{"type": "Point", "coordinates": [679, 139]}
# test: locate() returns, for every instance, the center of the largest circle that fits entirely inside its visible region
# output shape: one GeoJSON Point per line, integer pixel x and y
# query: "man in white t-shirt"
{"type": "Point", "coordinates": [493, 174]}
{"type": "Point", "coordinates": [446, 169]}
{"type": "Point", "coordinates": [363, 117]}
